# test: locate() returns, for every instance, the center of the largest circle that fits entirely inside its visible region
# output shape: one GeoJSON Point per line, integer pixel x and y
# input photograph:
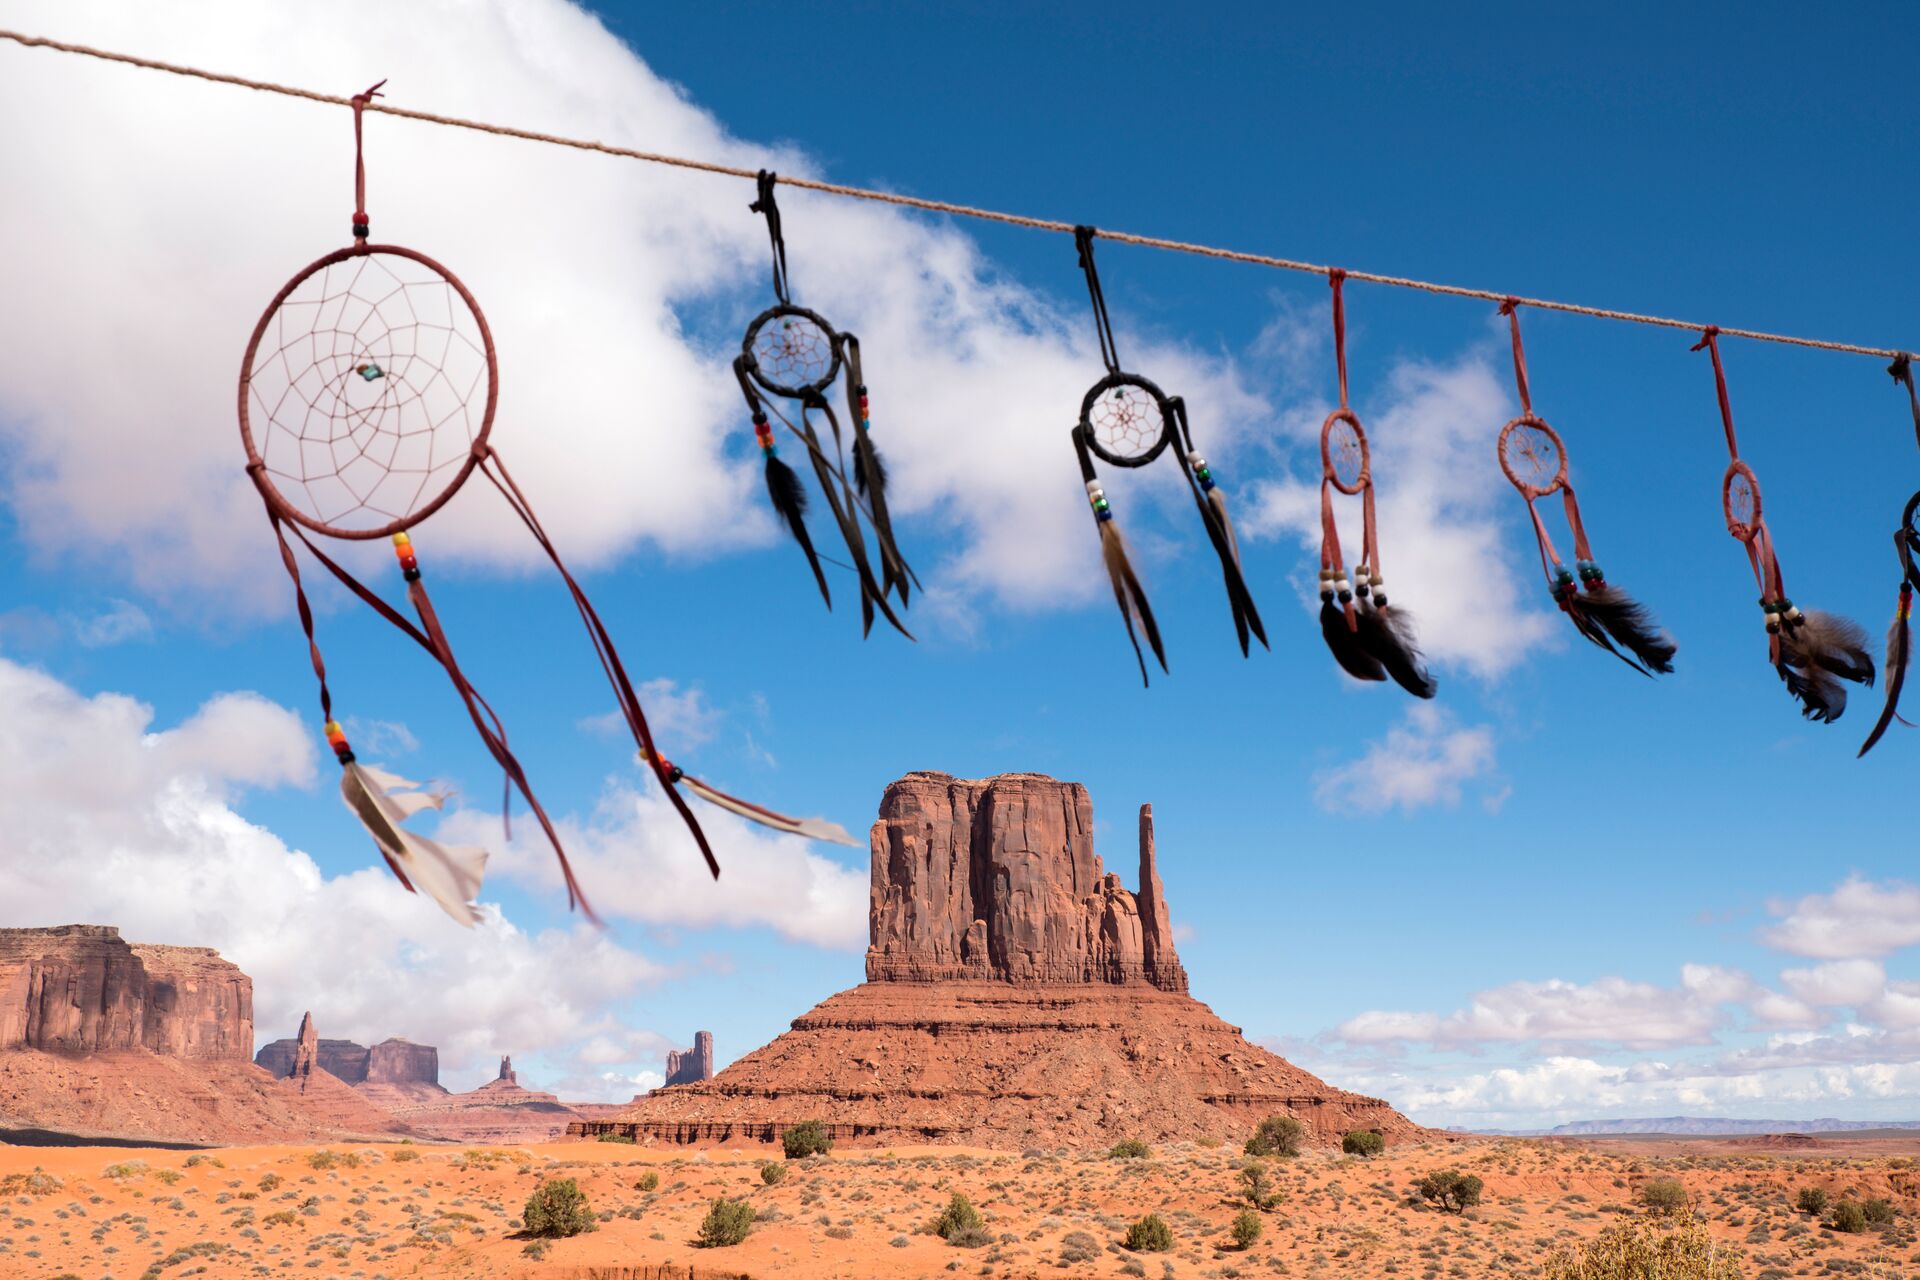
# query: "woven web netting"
{"type": "Point", "coordinates": [792, 352]}
{"type": "Point", "coordinates": [1126, 421]}
{"type": "Point", "coordinates": [366, 391]}
{"type": "Point", "coordinates": [1531, 456]}
{"type": "Point", "coordinates": [1346, 455]}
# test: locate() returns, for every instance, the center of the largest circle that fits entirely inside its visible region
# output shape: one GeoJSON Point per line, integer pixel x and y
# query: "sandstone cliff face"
{"type": "Point", "coordinates": [393, 1061]}
{"type": "Point", "coordinates": [998, 879]}
{"type": "Point", "coordinates": [689, 1066]}
{"type": "Point", "coordinates": [81, 989]}
{"type": "Point", "coordinates": [398, 1061]}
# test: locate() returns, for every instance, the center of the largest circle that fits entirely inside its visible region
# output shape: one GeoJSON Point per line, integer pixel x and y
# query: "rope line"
{"type": "Point", "coordinates": [942, 206]}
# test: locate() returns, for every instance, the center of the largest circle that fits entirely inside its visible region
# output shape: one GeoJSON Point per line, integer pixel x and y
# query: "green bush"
{"type": "Point", "coordinates": [1664, 1195]}
{"type": "Point", "coordinates": [1648, 1247]}
{"type": "Point", "coordinates": [649, 1181]}
{"type": "Point", "coordinates": [1363, 1143]}
{"type": "Point", "coordinates": [1261, 1193]}
{"type": "Point", "coordinates": [1246, 1228]}
{"type": "Point", "coordinates": [1150, 1235]}
{"type": "Point", "coordinates": [1452, 1190]}
{"type": "Point", "coordinates": [959, 1216]}
{"type": "Point", "coordinates": [1276, 1136]}
{"type": "Point", "coordinates": [618, 1137]}
{"type": "Point", "coordinates": [1849, 1217]}
{"type": "Point", "coordinates": [557, 1209]}
{"type": "Point", "coordinates": [727, 1223]}
{"type": "Point", "coordinates": [1130, 1149]}
{"type": "Point", "coordinates": [1812, 1200]}
{"type": "Point", "coordinates": [808, 1138]}
{"type": "Point", "coordinates": [773, 1173]}
{"type": "Point", "coordinates": [1879, 1212]}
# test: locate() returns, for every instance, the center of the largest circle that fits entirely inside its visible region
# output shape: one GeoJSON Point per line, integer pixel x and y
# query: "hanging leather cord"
{"type": "Point", "coordinates": [1336, 278]}
{"type": "Point", "coordinates": [360, 101]}
{"type": "Point", "coordinates": [1083, 241]}
{"type": "Point", "coordinates": [1901, 370]}
{"type": "Point", "coordinates": [494, 468]}
{"type": "Point", "coordinates": [767, 205]}
{"type": "Point", "coordinates": [1759, 543]}
{"type": "Point", "coordinates": [1511, 310]}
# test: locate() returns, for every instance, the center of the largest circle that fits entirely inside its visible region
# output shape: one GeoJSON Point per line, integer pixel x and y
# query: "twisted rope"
{"type": "Point", "coordinates": [942, 206]}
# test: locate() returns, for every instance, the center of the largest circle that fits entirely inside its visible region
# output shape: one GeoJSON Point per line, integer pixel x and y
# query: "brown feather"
{"type": "Point", "coordinates": [1387, 636]}
{"type": "Point", "coordinates": [1899, 654]}
{"type": "Point", "coordinates": [1129, 595]}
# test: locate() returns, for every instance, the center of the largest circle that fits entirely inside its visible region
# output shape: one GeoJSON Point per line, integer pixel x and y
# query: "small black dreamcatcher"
{"type": "Point", "coordinates": [1369, 640]}
{"type": "Point", "coordinates": [791, 353]}
{"type": "Point", "coordinates": [1906, 549]}
{"type": "Point", "coordinates": [1535, 462]}
{"type": "Point", "coordinates": [1128, 421]}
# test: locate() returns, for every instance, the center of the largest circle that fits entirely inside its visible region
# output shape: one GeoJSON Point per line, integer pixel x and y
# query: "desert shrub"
{"type": "Point", "coordinates": [1664, 1195]}
{"type": "Point", "coordinates": [201, 1157]}
{"type": "Point", "coordinates": [971, 1238]}
{"type": "Point", "coordinates": [1150, 1235]}
{"type": "Point", "coordinates": [1879, 1212]}
{"type": "Point", "coordinates": [1812, 1200]}
{"type": "Point", "coordinates": [1130, 1149]}
{"type": "Point", "coordinates": [627, 1139]}
{"type": "Point", "coordinates": [1261, 1193]}
{"type": "Point", "coordinates": [648, 1182]}
{"type": "Point", "coordinates": [284, 1218]}
{"type": "Point", "coordinates": [1452, 1190]}
{"type": "Point", "coordinates": [727, 1223]}
{"type": "Point", "coordinates": [808, 1138]}
{"type": "Point", "coordinates": [557, 1209]}
{"type": "Point", "coordinates": [168, 1176]}
{"type": "Point", "coordinates": [37, 1183]}
{"type": "Point", "coordinates": [1681, 1249]}
{"type": "Point", "coordinates": [1246, 1228]}
{"type": "Point", "coordinates": [329, 1159]}
{"type": "Point", "coordinates": [959, 1216]}
{"type": "Point", "coordinates": [1849, 1217]}
{"type": "Point", "coordinates": [1276, 1136]}
{"type": "Point", "coordinates": [269, 1181]}
{"type": "Point", "coordinates": [773, 1173]}
{"type": "Point", "coordinates": [1078, 1246]}
{"type": "Point", "coordinates": [403, 1154]}
{"type": "Point", "coordinates": [1363, 1142]}
{"type": "Point", "coordinates": [127, 1169]}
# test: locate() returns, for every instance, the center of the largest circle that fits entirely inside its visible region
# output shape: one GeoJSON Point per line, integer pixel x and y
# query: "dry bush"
{"type": "Point", "coordinates": [1681, 1249]}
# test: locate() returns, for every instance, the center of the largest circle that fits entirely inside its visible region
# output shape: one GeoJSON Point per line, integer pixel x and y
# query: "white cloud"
{"type": "Point", "coordinates": [1439, 498]}
{"type": "Point", "coordinates": [121, 622]}
{"type": "Point", "coordinates": [1839, 984]}
{"type": "Point", "coordinates": [110, 822]}
{"type": "Point", "coordinates": [1859, 918]}
{"type": "Point", "coordinates": [1422, 761]}
{"type": "Point", "coordinates": [683, 717]}
{"type": "Point", "coordinates": [125, 325]}
{"type": "Point", "coordinates": [636, 863]}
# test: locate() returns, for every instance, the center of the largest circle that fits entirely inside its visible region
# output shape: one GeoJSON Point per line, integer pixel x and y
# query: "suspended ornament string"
{"type": "Point", "coordinates": [1812, 651]}
{"type": "Point", "coordinates": [1535, 462]}
{"type": "Point", "coordinates": [1906, 550]}
{"type": "Point", "coordinates": [1128, 421]}
{"type": "Point", "coordinates": [1369, 639]}
{"type": "Point", "coordinates": [366, 400]}
{"type": "Point", "coordinates": [791, 353]}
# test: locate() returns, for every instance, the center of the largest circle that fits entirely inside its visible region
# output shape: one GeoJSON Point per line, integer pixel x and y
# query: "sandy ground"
{"type": "Point", "coordinates": [363, 1212]}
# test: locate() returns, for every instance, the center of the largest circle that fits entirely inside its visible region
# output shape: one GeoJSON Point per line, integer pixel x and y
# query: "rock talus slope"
{"type": "Point", "coordinates": [1017, 994]}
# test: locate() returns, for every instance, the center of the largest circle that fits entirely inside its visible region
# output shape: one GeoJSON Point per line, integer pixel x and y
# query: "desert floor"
{"type": "Point", "coordinates": [369, 1211]}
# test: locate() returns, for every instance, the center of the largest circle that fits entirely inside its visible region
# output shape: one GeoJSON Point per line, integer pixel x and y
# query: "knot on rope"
{"type": "Point", "coordinates": [1336, 274]}
{"type": "Point", "coordinates": [1901, 370]}
{"type": "Point", "coordinates": [1083, 241]}
{"type": "Point", "coordinates": [1707, 336]}
{"type": "Point", "coordinates": [765, 179]}
{"type": "Point", "coordinates": [363, 98]}
{"type": "Point", "coordinates": [1507, 307]}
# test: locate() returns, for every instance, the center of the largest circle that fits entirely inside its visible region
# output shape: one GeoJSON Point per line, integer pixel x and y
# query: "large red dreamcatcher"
{"type": "Point", "coordinates": [1812, 651]}
{"type": "Point", "coordinates": [1535, 463]}
{"type": "Point", "coordinates": [366, 400]}
{"type": "Point", "coordinates": [1369, 640]}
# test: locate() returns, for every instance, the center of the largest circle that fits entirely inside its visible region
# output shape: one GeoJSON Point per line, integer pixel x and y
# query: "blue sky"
{"type": "Point", "coordinates": [1329, 852]}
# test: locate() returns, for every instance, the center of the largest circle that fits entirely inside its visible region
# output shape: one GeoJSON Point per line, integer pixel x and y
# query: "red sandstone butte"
{"type": "Point", "coordinates": [1017, 994]}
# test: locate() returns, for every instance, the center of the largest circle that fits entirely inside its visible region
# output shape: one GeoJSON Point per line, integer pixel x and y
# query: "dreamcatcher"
{"type": "Point", "coordinates": [1535, 463]}
{"type": "Point", "coordinates": [792, 353]}
{"type": "Point", "coordinates": [1812, 651]}
{"type": "Point", "coordinates": [1128, 421]}
{"type": "Point", "coordinates": [1369, 640]}
{"type": "Point", "coordinates": [366, 398]}
{"type": "Point", "coordinates": [1906, 547]}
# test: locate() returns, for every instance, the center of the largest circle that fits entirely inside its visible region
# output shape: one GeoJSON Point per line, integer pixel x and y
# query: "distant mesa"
{"type": "Point", "coordinates": [691, 1066]}
{"type": "Point", "coordinates": [392, 1061]}
{"type": "Point", "coordinates": [1017, 994]}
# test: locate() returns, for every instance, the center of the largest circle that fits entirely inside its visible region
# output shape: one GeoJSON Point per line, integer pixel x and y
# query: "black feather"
{"type": "Point", "coordinates": [869, 472]}
{"type": "Point", "coordinates": [1630, 624]}
{"type": "Point", "coordinates": [1816, 654]}
{"type": "Point", "coordinates": [1593, 631]}
{"type": "Point", "coordinates": [1344, 642]}
{"type": "Point", "coordinates": [1246, 617]}
{"type": "Point", "coordinates": [1387, 636]}
{"type": "Point", "coordinates": [790, 500]}
{"type": "Point", "coordinates": [1899, 651]}
{"type": "Point", "coordinates": [1840, 643]}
